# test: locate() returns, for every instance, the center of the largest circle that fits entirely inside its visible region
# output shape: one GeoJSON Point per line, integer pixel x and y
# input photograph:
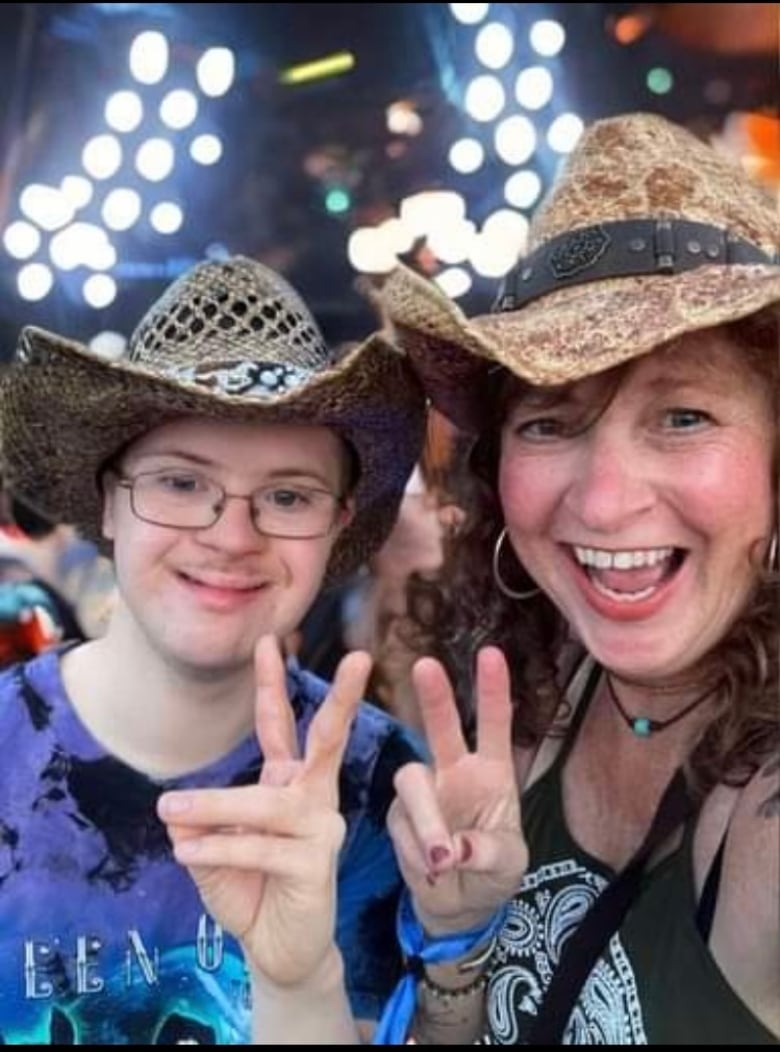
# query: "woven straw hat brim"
{"type": "Point", "coordinates": [65, 412]}
{"type": "Point", "coordinates": [564, 336]}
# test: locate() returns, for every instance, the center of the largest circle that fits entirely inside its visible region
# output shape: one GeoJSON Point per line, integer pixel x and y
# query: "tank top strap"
{"type": "Point", "coordinates": [582, 704]}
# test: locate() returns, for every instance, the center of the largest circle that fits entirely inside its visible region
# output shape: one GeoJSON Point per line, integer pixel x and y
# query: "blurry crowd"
{"type": "Point", "coordinates": [55, 587]}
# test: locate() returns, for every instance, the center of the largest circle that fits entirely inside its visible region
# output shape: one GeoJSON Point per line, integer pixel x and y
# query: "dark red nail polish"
{"type": "Point", "coordinates": [439, 855]}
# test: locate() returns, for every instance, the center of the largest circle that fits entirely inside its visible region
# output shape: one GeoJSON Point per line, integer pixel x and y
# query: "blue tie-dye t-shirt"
{"type": "Point", "coordinates": [103, 939]}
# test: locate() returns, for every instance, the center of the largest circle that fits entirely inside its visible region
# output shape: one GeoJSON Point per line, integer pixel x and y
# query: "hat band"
{"type": "Point", "coordinates": [260, 379]}
{"type": "Point", "coordinates": [623, 249]}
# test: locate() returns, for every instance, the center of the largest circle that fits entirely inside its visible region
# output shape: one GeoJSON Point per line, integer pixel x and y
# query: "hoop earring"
{"type": "Point", "coordinates": [503, 587]}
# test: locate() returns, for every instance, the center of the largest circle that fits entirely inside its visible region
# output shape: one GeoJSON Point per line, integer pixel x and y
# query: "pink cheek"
{"type": "Point", "coordinates": [527, 492]}
{"type": "Point", "coordinates": [725, 492]}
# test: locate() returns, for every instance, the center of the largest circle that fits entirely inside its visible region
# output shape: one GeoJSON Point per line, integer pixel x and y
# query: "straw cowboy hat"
{"type": "Point", "coordinates": [647, 235]}
{"type": "Point", "coordinates": [227, 341]}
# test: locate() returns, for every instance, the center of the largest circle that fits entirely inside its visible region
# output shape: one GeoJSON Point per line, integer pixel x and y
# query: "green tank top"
{"type": "Point", "coordinates": [657, 982]}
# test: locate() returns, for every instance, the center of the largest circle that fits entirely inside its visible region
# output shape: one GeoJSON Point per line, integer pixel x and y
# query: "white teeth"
{"type": "Point", "coordinates": [601, 559]}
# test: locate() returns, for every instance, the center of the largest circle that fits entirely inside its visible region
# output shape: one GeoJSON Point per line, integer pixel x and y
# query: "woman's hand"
{"type": "Point", "coordinates": [456, 825]}
{"type": "Point", "coordinates": [264, 857]}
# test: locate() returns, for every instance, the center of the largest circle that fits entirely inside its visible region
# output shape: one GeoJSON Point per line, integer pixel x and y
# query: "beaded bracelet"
{"type": "Point", "coordinates": [471, 964]}
{"type": "Point", "coordinates": [420, 949]}
{"type": "Point", "coordinates": [446, 994]}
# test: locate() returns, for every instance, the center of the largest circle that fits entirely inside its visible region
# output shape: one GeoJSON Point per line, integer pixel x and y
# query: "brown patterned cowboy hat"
{"type": "Point", "coordinates": [647, 235]}
{"type": "Point", "coordinates": [227, 341]}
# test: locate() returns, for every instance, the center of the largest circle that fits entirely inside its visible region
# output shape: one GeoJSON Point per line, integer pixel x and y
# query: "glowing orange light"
{"type": "Point", "coordinates": [754, 138]}
{"type": "Point", "coordinates": [763, 135]}
{"type": "Point", "coordinates": [763, 132]}
{"type": "Point", "coordinates": [630, 28]}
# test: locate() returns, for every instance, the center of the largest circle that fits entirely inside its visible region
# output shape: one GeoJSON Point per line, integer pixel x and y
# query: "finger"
{"type": "Point", "coordinates": [439, 712]}
{"type": "Point", "coordinates": [265, 809]}
{"type": "Point", "coordinates": [329, 730]}
{"type": "Point", "coordinates": [494, 706]}
{"type": "Point", "coordinates": [178, 833]}
{"type": "Point", "coordinates": [415, 788]}
{"type": "Point", "coordinates": [179, 836]}
{"type": "Point", "coordinates": [502, 853]}
{"type": "Point", "coordinates": [280, 772]}
{"type": "Point", "coordinates": [408, 850]}
{"type": "Point", "coordinates": [269, 855]}
{"type": "Point", "coordinates": [274, 717]}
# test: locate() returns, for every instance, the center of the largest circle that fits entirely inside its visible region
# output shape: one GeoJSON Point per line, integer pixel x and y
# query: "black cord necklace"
{"type": "Point", "coordinates": [643, 726]}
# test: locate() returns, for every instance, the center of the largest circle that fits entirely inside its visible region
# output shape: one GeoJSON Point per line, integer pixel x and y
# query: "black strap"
{"type": "Point", "coordinates": [705, 914]}
{"type": "Point", "coordinates": [623, 249]}
{"type": "Point", "coordinates": [604, 918]}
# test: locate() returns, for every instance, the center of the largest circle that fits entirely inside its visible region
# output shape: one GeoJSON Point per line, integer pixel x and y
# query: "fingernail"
{"type": "Point", "coordinates": [439, 855]}
{"type": "Point", "coordinates": [174, 804]}
{"type": "Point", "coordinates": [466, 850]}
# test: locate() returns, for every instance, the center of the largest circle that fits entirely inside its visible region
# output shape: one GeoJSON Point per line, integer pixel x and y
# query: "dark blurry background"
{"type": "Point", "coordinates": [316, 163]}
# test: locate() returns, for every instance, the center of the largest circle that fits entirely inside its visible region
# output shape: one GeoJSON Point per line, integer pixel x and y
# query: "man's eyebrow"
{"type": "Point", "coordinates": [300, 473]}
{"type": "Point", "coordinates": [293, 472]}
{"type": "Point", "coordinates": [180, 454]}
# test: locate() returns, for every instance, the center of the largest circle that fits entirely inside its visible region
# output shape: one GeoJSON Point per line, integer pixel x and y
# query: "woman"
{"type": "Point", "coordinates": [622, 552]}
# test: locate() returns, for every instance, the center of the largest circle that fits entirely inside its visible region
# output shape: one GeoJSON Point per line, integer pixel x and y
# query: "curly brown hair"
{"type": "Point", "coordinates": [460, 611]}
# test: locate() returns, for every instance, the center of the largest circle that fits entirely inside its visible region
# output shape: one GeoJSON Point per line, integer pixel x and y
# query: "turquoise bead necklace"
{"type": "Point", "coordinates": [643, 726]}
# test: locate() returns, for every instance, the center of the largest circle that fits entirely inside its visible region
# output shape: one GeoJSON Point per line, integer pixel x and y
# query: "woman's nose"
{"type": "Point", "coordinates": [611, 486]}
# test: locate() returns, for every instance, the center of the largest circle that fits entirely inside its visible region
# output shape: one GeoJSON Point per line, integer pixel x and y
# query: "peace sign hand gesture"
{"type": "Point", "coordinates": [456, 824]}
{"type": "Point", "coordinates": [264, 857]}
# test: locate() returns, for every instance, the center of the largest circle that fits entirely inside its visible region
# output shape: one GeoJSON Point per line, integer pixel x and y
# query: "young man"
{"type": "Point", "coordinates": [230, 464]}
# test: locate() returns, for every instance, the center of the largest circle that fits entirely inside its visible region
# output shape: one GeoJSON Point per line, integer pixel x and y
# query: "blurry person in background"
{"type": "Point", "coordinates": [73, 565]}
{"type": "Point", "coordinates": [34, 614]}
{"type": "Point", "coordinates": [428, 518]}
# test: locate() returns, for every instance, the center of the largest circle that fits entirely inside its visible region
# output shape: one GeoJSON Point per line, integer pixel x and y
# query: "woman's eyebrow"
{"type": "Point", "coordinates": [679, 382]}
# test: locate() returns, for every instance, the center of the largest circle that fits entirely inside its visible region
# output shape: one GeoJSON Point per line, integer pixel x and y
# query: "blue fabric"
{"type": "Point", "coordinates": [103, 939]}
{"type": "Point", "coordinates": [419, 949]}
{"type": "Point", "coordinates": [19, 597]}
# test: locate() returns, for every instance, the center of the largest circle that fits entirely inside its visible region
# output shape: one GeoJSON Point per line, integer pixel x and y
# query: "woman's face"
{"type": "Point", "coordinates": [644, 528]}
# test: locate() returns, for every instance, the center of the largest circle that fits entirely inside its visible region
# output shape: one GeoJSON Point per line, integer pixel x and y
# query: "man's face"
{"type": "Point", "coordinates": [201, 597]}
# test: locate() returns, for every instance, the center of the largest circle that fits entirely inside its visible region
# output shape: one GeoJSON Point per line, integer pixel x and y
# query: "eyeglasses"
{"type": "Point", "coordinates": [188, 500]}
